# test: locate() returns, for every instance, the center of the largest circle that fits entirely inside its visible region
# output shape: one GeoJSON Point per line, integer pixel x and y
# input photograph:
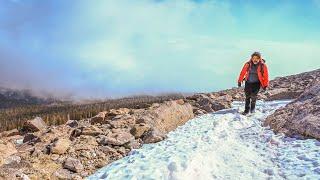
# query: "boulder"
{"type": "Point", "coordinates": [72, 123]}
{"type": "Point", "coordinates": [180, 101]}
{"type": "Point", "coordinates": [30, 137]}
{"type": "Point", "coordinates": [204, 101]}
{"type": "Point", "coordinates": [153, 136]}
{"type": "Point", "coordinates": [9, 133]}
{"type": "Point", "coordinates": [73, 164]}
{"type": "Point", "coordinates": [120, 111]}
{"type": "Point", "coordinates": [99, 118]}
{"type": "Point", "coordinates": [60, 146]}
{"type": "Point", "coordinates": [139, 129]}
{"type": "Point", "coordinates": [91, 131]}
{"type": "Point", "coordinates": [219, 105]}
{"type": "Point", "coordinates": [6, 149]}
{"type": "Point", "coordinates": [34, 125]}
{"type": "Point", "coordinates": [63, 174]}
{"type": "Point", "coordinates": [207, 108]}
{"type": "Point", "coordinates": [118, 139]}
{"type": "Point", "coordinates": [122, 121]}
{"type": "Point", "coordinates": [167, 116]}
{"type": "Point", "coordinates": [135, 144]}
{"type": "Point", "coordinates": [301, 116]}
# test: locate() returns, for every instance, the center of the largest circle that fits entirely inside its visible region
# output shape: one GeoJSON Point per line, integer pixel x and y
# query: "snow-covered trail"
{"type": "Point", "coordinates": [221, 145]}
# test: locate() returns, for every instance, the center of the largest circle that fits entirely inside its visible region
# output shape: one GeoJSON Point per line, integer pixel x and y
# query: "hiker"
{"type": "Point", "coordinates": [255, 74]}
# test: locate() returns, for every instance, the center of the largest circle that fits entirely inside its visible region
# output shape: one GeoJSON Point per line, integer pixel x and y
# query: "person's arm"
{"type": "Point", "coordinates": [266, 75]}
{"type": "Point", "coordinates": [242, 74]}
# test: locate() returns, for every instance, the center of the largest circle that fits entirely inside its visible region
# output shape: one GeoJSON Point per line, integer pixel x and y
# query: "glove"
{"type": "Point", "coordinates": [239, 84]}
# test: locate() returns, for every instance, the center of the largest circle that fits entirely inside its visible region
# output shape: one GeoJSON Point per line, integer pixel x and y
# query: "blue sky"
{"type": "Point", "coordinates": [124, 47]}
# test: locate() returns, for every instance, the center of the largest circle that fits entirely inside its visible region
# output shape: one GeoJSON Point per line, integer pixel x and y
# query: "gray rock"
{"type": "Point", "coordinates": [153, 136]}
{"type": "Point", "coordinates": [73, 164]}
{"type": "Point", "coordinates": [72, 123]}
{"type": "Point", "coordinates": [118, 139]}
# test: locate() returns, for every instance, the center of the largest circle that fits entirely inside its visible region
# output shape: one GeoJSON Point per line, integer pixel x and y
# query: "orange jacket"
{"type": "Point", "coordinates": [263, 74]}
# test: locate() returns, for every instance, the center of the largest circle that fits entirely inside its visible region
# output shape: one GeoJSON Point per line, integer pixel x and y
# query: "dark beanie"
{"type": "Point", "coordinates": [256, 54]}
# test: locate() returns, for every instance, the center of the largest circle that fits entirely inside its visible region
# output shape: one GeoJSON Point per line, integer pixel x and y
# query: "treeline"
{"type": "Point", "coordinates": [11, 118]}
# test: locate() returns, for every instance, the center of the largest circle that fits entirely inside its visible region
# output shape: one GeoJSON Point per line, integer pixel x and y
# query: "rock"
{"type": "Point", "coordinates": [12, 132]}
{"type": "Point", "coordinates": [153, 136]}
{"type": "Point", "coordinates": [204, 101]}
{"type": "Point", "coordinates": [91, 131]}
{"type": "Point", "coordinates": [12, 160]}
{"type": "Point", "coordinates": [12, 174]}
{"type": "Point", "coordinates": [34, 125]}
{"type": "Point", "coordinates": [76, 132]}
{"type": "Point", "coordinates": [144, 120]}
{"type": "Point", "coordinates": [135, 144]}
{"type": "Point", "coordinates": [99, 118]}
{"type": "Point", "coordinates": [167, 116]}
{"type": "Point", "coordinates": [6, 149]}
{"type": "Point", "coordinates": [72, 123]}
{"type": "Point", "coordinates": [139, 129]}
{"type": "Point", "coordinates": [84, 143]}
{"type": "Point", "coordinates": [62, 174]}
{"type": "Point", "coordinates": [197, 97]}
{"type": "Point", "coordinates": [199, 112]}
{"type": "Point", "coordinates": [279, 93]}
{"type": "Point", "coordinates": [180, 101]}
{"type": "Point", "coordinates": [108, 150]}
{"type": "Point", "coordinates": [122, 122]}
{"type": "Point", "coordinates": [225, 98]}
{"type": "Point", "coordinates": [118, 139]}
{"type": "Point", "coordinates": [30, 137]}
{"type": "Point", "coordinates": [73, 164]}
{"type": "Point", "coordinates": [60, 146]}
{"type": "Point", "coordinates": [302, 116]}
{"type": "Point", "coordinates": [120, 111]}
{"type": "Point", "coordinates": [216, 105]}
{"type": "Point", "coordinates": [207, 108]}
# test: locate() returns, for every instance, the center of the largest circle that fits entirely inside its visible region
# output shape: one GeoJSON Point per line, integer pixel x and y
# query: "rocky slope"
{"type": "Point", "coordinates": [288, 87]}
{"type": "Point", "coordinates": [300, 117]}
{"type": "Point", "coordinates": [78, 148]}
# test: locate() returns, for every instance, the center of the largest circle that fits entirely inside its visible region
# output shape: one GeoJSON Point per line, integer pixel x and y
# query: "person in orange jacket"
{"type": "Point", "coordinates": [256, 76]}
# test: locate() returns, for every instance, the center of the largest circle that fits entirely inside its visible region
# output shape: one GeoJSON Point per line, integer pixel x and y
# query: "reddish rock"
{"type": "Point", "coordinates": [34, 125]}
{"type": "Point", "coordinates": [99, 118]}
{"type": "Point", "coordinates": [73, 164]}
{"type": "Point", "coordinates": [91, 131]}
{"type": "Point", "coordinates": [139, 129]}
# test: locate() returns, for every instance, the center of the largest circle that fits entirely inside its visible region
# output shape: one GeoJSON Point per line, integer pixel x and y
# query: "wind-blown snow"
{"type": "Point", "coordinates": [222, 145]}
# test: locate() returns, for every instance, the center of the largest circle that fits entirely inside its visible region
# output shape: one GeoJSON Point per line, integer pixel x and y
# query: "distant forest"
{"type": "Point", "coordinates": [16, 114]}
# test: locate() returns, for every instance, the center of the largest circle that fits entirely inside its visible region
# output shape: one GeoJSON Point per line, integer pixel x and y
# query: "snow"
{"type": "Point", "coordinates": [222, 145]}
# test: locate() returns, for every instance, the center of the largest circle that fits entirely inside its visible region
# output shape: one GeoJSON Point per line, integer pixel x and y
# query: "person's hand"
{"type": "Point", "coordinates": [264, 88]}
{"type": "Point", "coordinates": [239, 84]}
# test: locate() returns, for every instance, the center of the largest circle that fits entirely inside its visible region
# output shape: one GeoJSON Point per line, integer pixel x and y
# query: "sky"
{"type": "Point", "coordinates": [107, 48]}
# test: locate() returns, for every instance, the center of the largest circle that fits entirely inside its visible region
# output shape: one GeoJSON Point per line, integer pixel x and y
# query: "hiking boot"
{"type": "Point", "coordinates": [252, 111]}
{"type": "Point", "coordinates": [244, 112]}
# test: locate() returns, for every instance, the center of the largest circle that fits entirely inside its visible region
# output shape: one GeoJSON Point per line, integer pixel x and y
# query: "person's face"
{"type": "Point", "coordinates": [255, 59]}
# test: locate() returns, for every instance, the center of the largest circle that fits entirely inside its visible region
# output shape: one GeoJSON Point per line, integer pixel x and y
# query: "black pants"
{"type": "Point", "coordinates": [251, 90]}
